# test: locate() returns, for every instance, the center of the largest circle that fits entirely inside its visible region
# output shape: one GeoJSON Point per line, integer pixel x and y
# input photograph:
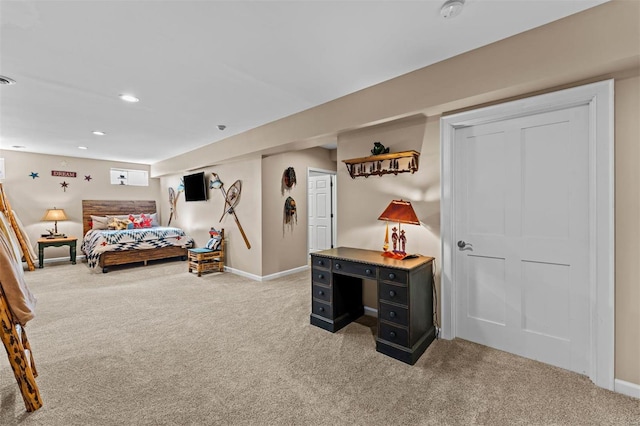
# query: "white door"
{"type": "Point", "coordinates": [521, 196]}
{"type": "Point", "coordinates": [319, 194]}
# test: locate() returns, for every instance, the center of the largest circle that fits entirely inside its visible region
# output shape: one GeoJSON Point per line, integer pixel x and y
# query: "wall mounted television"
{"type": "Point", "coordinates": [195, 187]}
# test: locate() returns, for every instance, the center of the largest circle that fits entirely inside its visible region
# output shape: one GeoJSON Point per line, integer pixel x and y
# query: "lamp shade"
{"type": "Point", "coordinates": [54, 215]}
{"type": "Point", "coordinates": [400, 211]}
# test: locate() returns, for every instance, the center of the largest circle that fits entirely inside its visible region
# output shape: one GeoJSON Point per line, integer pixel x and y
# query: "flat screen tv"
{"type": "Point", "coordinates": [195, 187]}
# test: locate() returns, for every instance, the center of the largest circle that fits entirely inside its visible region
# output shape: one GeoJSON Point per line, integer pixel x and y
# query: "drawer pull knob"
{"type": "Point", "coordinates": [321, 293]}
{"type": "Point", "coordinates": [392, 314]}
{"type": "Point", "coordinates": [392, 334]}
{"type": "Point", "coordinates": [367, 271]}
{"type": "Point", "coordinates": [321, 309]}
{"type": "Point", "coordinates": [320, 262]}
{"type": "Point", "coordinates": [392, 275]}
{"type": "Point", "coordinates": [337, 266]}
{"type": "Point", "coordinates": [320, 276]}
{"type": "Point", "coordinates": [392, 293]}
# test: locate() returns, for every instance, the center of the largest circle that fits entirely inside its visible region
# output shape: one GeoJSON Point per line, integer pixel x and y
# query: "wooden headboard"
{"type": "Point", "coordinates": [113, 208]}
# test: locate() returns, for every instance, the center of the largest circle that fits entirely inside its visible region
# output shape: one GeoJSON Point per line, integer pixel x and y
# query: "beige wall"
{"type": "Point", "coordinates": [286, 248]}
{"type": "Point", "coordinates": [31, 197]}
{"type": "Point", "coordinates": [196, 217]}
{"type": "Point", "coordinates": [627, 217]}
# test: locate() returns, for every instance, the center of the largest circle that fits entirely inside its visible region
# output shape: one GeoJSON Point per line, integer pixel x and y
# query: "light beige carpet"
{"type": "Point", "coordinates": [157, 345]}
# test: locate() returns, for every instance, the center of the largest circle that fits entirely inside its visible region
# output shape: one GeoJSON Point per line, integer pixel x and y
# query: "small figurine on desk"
{"type": "Point", "coordinates": [394, 237]}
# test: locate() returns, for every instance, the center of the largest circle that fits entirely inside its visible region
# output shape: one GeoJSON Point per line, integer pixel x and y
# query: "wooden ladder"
{"type": "Point", "coordinates": [14, 338]}
{"type": "Point", "coordinates": [6, 208]}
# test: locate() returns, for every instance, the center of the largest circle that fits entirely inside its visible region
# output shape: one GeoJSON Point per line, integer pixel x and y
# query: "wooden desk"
{"type": "Point", "coordinates": [405, 301]}
{"type": "Point", "coordinates": [56, 242]}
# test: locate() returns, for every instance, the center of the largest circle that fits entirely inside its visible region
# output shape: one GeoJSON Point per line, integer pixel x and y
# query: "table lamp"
{"type": "Point", "coordinates": [402, 212]}
{"type": "Point", "coordinates": [54, 215]}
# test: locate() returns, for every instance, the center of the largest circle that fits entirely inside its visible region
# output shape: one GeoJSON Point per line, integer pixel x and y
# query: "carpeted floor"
{"type": "Point", "coordinates": [157, 345]}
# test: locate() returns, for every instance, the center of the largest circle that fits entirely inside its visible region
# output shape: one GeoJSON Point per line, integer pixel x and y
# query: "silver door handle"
{"type": "Point", "coordinates": [463, 244]}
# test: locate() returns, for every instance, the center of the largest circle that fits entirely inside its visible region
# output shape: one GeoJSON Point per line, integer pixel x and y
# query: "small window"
{"type": "Point", "coordinates": [129, 177]}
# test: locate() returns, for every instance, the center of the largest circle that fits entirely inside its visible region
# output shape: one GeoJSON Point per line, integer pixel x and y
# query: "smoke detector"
{"type": "Point", "coordinates": [6, 80]}
{"type": "Point", "coordinates": [451, 8]}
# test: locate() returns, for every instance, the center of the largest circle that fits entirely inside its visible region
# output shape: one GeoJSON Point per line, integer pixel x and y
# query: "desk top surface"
{"type": "Point", "coordinates": [372, 257]}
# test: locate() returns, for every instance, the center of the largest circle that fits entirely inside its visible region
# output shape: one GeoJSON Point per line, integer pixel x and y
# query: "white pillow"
{"type": "Point", "coordinates": [99, 222]}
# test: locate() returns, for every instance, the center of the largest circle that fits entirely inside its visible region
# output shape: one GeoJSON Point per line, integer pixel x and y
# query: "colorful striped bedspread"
{"type": "Point", "coordinates": [96, 242]}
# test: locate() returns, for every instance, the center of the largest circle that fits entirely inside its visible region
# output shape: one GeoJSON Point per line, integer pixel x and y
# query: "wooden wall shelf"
{"type": "Point", "coordinates": [383, 164]}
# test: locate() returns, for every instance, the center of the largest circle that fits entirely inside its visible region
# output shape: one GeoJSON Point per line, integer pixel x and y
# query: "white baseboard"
{"type": "Point", "coordinates": [285, 273]}
{"type": "Point", "coordinates": [627, 388]}
{"type": "Point", "coordinates": [372, 312]}
{"type": "Point", "coordinates": [79, 258]}
{"type": "Point", "coordinates": [266, 277]}
{"type": "Point", "coordinates": [243, 273]}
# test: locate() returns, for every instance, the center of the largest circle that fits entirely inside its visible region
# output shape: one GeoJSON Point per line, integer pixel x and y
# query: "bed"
{"type": "Point", "coordinates": [131, 245]}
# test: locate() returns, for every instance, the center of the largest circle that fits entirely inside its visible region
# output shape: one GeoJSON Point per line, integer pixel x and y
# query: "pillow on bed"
{"type": "Point", "coordinates": [118, 224]}
{"type": "Point", "coordinates": [99, 222]}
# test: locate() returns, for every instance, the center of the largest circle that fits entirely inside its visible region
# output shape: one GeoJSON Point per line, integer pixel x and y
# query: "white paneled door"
{"type": "Point", "coordinates": [320, 199]}
{"type": "Point", "coordinates": [521, 195]}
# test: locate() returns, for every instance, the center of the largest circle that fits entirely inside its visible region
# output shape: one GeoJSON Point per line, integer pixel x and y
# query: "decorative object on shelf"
{"type": "Point", "coordinates": [402, 212]}
{"type": "Point", "coordinates": [231, 200]}
{"type": "Point", "coordinates": [383, 164]}
{"type": "Point", "coordinates": [288, 179]}
{"type": "Point", "coordinates": [54, 215]}
{"type": "Point", "coordinates": [290, 212]}
{"type": "Point", "coordinates": [378, 149]}
{"type": "Point", "coordinates": [34, 175]}
{"type": "Point", "coordinates": [64, 185]}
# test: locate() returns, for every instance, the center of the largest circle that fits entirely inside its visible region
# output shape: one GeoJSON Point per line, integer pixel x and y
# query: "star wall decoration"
{"type": "Point", "coordinates": [34, 175]}
{"type": "Point", "coordinates": [64, 185]}
{"type": "Point", "coordinates": [87, 178]}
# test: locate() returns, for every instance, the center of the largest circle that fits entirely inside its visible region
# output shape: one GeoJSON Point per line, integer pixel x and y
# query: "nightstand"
{"type": "Point", "coordinates": [56, 242]}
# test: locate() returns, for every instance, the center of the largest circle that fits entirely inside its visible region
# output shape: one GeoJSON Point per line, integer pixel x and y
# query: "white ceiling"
{"type": "Point", "coordinates": [197, 64]}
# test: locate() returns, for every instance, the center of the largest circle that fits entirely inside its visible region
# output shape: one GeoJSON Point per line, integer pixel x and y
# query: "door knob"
{"type": "Point", "coordinates": [463, 244]}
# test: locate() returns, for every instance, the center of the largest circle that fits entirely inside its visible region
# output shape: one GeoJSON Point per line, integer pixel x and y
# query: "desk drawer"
{"type": "Point", "coordinates": [359, 269]}
{"type": "Point", "coordinates": [320, 262]}
{"type": "Point", "coordinates": [393, 275]}
{"type": "Point", "coordinates": [320, 292]}
{"type": "Point", "coordinates": [322, 309]}
{"type": "Point", "coordinates": [397, 335]}
{"type": "Point", "coordinates": [393, 314]}
{"type": "Point", "coordinates": [320, 276]}
{"type": "Point", "coordinates": [392, 293]}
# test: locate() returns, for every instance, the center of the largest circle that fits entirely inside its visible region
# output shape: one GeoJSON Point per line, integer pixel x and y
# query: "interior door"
{"type": "Point", "coordinates": [320, 230]}
{"type": "Point", "coordinates": [522, 224]}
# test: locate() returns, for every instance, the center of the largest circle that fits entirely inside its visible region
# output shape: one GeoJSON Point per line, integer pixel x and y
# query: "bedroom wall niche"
{"type": "Point", "coordinates": [31, 195]}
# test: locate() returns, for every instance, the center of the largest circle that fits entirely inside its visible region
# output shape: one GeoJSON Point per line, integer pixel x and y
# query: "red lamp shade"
{"type": "Point", "coordinates": [400, 211]}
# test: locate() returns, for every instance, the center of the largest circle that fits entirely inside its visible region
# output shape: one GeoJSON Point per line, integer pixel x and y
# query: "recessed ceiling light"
{"type": "Point", "coordinates": [6, 80]}
{"type": "Point", "coordinates": [18, 146]}
{"type": "Point", "coordinates": [98, 133]}
{"type": "Point", "coordinates": [128, 98]}
{"type": "Point", "coordinates": [82, 147]}
{"type": "Point", "coordinates": [451, 8]}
